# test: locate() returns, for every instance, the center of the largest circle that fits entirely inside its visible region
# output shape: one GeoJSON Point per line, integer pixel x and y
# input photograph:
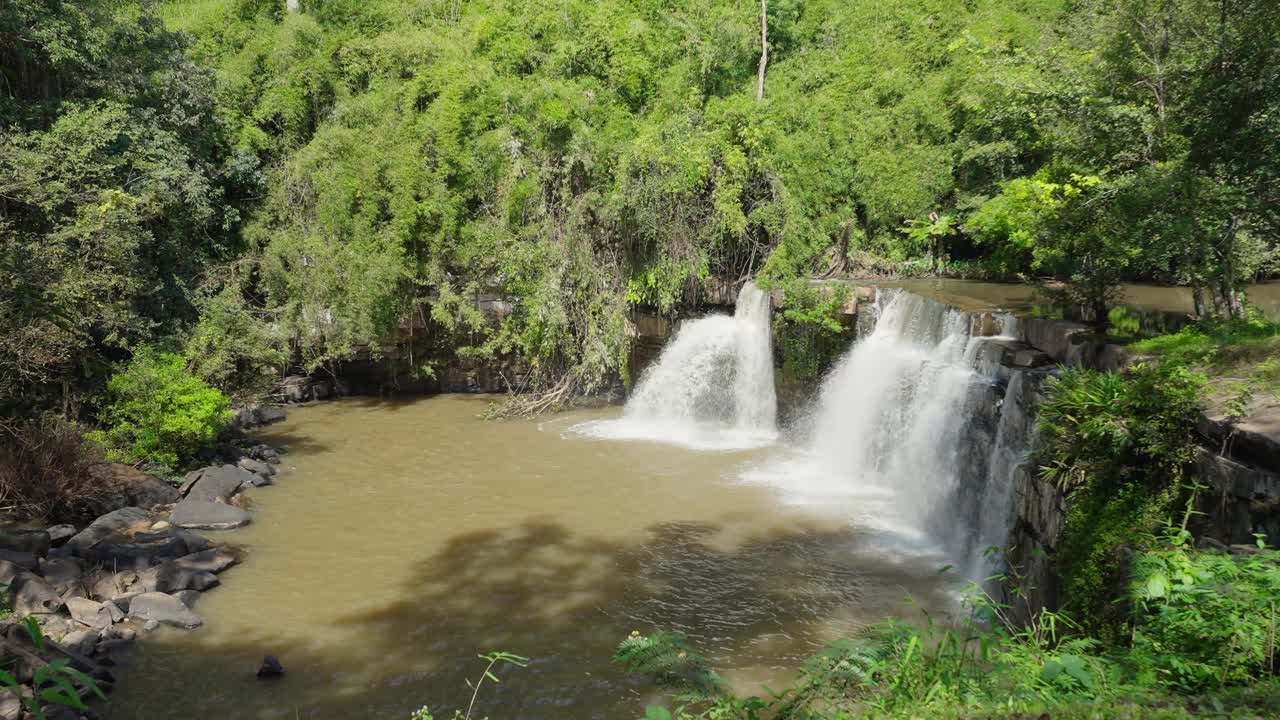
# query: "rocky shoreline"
{"type": "Point", "coordinates": [92, 590]}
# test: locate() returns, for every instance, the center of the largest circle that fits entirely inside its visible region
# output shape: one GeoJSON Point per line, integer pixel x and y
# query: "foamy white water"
{"type": "Point", "coordinates": [884, 440]}
{"type": "Point", "coordinates": [711, 388]}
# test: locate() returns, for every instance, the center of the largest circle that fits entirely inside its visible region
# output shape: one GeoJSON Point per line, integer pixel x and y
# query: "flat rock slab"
{"type": "Point", "coordinates": [208, 515]}
{"type": "Point", "coordinates": [163, 609]}
{"type": "Point", "coordinates": [213, 560]}
{"type": "Point", "coordinates": [112, 524]}
{"type": "Point", "coordinates": [94, 614]}
{"type": "Point", "coordinates": [218, 483]}
{"type": "Point", "coordinates": [141, 550]}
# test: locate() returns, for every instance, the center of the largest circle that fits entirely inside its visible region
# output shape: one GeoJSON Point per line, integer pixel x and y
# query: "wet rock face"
{"type": "Point", "coordinates": [1240, 500]}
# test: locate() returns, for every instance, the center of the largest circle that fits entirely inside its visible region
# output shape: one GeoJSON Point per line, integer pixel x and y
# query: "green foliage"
{"type": "Point", "coordinates": [231, 347]}
{"type": "Point", "coordinates": [1204, 625]}
{"type": "Point", "coordinates": [1205, 619]}
{"type": "Point", "coordinates": [112, 197]}
{"type": "Point", "coordinates": [1243, 349]}
{"type": "Point", "coordinates": [55, 684]}
{"type": "Point", "coordinates": [1137, 425]}
{"type": "Point", "coordinates": [1118, 446]}
{"type": "Point", "coordinates": [155, 411]}
{"type": "Point", "coordinates": [809, 330]}
{"type": "Point", "coordinates": [668, 658]}
{"type": "Point", "coordinates": [379, 161]}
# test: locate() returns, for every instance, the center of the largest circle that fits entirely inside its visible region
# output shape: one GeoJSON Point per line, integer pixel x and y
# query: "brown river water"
{"type": "Point", "coordinates": [402, 539]}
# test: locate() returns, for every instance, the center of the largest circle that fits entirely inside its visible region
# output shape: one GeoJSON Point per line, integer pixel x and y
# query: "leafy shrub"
{"type": "Point", "coordinates": [809, 331]}
{"type": "Point", "coordinates": [1139, 423]}
{"type": "Point", "coordinates": [158, 412]}
{"type": "Point", "coordinates": [232, 349]}
{"type": "Point", "coordinates": [1205, 619]}
{"type": "Point", "coordinates": [1118, 446]}
{"type": "Point", "coordinates": [44, 468]}
{"type": "Point", "coordinates": [667, 658]}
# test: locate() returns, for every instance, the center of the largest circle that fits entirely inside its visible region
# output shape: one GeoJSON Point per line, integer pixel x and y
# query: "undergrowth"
{"type": "Point", "coordinates": [1242, 356]}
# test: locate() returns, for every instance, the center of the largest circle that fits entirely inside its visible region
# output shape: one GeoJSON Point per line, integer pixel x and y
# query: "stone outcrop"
{"type": "Point", "coordinates": [127, 486]}
{"type": "Point", "coordinates": [136, 565]}
{"type": "Point", "coordinates": [164, 609]}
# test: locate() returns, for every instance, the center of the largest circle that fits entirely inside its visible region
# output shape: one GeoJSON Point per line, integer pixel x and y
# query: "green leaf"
{"type": "Point", "coordinates": [1157, 586]}
{"type": "Point", "coordinates": [657, 712]}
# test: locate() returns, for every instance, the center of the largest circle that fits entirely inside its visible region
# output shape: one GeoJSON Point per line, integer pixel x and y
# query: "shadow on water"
{"type": "Point", "coordinates": [755, 601]}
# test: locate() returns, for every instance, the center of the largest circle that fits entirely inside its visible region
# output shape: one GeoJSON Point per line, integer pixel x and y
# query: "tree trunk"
{"type": "Point", "coordinates": [1197, 298]}
{"type": "Point", "coordinates": [764, 48]}
{"type": "Point", "coordinates": [1230, 296]}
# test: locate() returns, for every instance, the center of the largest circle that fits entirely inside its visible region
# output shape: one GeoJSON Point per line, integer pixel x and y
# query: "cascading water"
{"type": "Point", "coordinates": [885, 427]}
{"type": "Point", "coordinates": [711, 388]}
{"type": "Point", "coordinates": [903, 437]}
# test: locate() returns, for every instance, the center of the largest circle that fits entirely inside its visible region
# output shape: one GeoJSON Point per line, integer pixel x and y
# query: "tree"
{"type": "Point", "coordinates": [764, 49]}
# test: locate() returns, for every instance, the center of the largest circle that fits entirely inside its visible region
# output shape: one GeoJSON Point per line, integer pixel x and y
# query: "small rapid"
{"type": "Point", "coordinates": [710, 389]}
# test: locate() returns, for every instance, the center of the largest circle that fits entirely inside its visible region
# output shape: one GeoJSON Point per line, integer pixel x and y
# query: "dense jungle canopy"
{"type": "Point", "coordinates": [254, 185]}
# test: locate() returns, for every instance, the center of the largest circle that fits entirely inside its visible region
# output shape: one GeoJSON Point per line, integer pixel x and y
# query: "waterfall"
{"type": "Point", "coordinates": [711, 388]}
{"type": "Point", "coordinates": [905, 435]}
{"type": "Point", "coordinates": [755, 406]}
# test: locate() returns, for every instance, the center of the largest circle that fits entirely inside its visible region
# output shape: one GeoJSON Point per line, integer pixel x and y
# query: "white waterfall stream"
{"type": "Point", "coordinates": [712, 387]}
{"type": "Point", "coordinates": [906, 437]}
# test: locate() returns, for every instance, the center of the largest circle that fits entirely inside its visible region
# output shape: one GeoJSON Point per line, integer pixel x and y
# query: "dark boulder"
{"type": "Point", "coordinates": [24, 560]}
{"type": "Point", "coordinates": [213, 560]}
{"type": "Point", "coordinates": [139, 550]}
{"type": "Point", "coordinates": [270, 667]}
{"type": "Point", "coordinates": [61, 572]}
{"type": "Point", "coordinates": [36, 542]}
{"type": "Point", "coordinates": [218, 483]}
{"type": "Point", "coordinates": [257, 467]}
{"type": "Point", "coordinates": [60, 534]}
{"type": "Point", "coordinates": [112, 524]}
{"type": "Point", "coordinates": [271, 414]}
